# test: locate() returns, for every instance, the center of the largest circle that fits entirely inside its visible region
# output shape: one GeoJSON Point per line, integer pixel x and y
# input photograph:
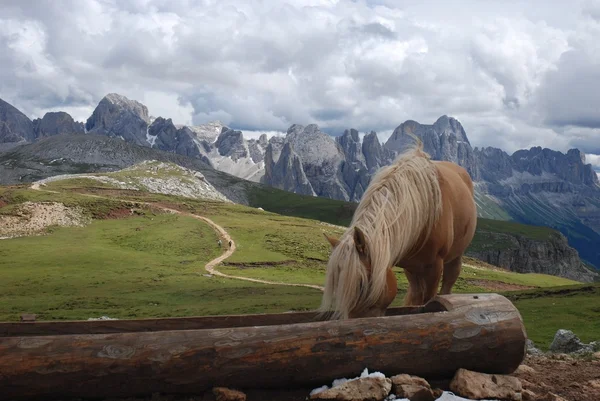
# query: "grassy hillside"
{"type": "Point", "coordinates": [152, 264]}
{"type": "Point", "coordinates": [573, 308]}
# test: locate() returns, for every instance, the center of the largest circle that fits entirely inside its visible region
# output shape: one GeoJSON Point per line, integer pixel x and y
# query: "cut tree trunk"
{"type": "Point", "coordinates": [96, 359]}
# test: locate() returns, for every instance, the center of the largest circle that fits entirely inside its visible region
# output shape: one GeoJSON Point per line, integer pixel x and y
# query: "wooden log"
{"type": "Point", "coordinates": [38, 328]}
{"type": "Point", "coordinates": [481, 332]}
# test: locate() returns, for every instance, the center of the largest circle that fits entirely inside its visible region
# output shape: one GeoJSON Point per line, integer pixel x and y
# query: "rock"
{"type": "Point", "coordinates": [56, 123]}
{"type": "Point", "coordinates": [118, 116]}
{"type": "Point", "coordinates": [565, 341]}
{"type": "Point", "coordinates": [522, 369]}
{"type": "Point", "coordinates": [226, 394]}
{"type": "Point", "coordinates": [288, 172]}
{"type": "Point", "coordinates": [531, 349]}
{"type": "Point", "coordinates": [552, 255]}
{"type": "Point", "coordinates": [16, 126]}
{"type": "Point", "coordinates": [321, 158]}
{"type": "Point", "coordinates": [362, 389]}
{"type": "Point", "coordinates": [596, 355]}
{"type": "Point", "coordinates": [375, 155]}
{"type": "Point", "coordinates": [412, 387]}
{"type": "Point", "coordinates": [528, 395]}
{"type": "Point", "coordinates": [206, 132]}
{"type": "Point", "coordinates": [446, 139]}
{"type": "Point", "coordinates": [231, 143]}
{"type": "Point", "coordinates": [551, 397]}
{"type": "Point", "coordinates": [476, 385]}
{"type": "Point", "coordinates": [594, 383]}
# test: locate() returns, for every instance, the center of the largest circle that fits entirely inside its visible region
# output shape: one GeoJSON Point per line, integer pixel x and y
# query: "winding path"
{"type": "Point", "coordinates": [211, 265]}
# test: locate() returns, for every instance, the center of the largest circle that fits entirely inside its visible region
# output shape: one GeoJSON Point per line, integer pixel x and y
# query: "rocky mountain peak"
{"type": "Point", "coordinates": [375, 154]}
{"type": "Point", "coordinates": [313, 146]}
{"type": "Point", "coordinates": [207, 132]}
{"type": "Point", "coordinates": [451, 126]}
{"type": "Point", "coordinates": [349, 141]}
{"type": "Point", "coordinates": [16, 125]}
{"type": "Point", "coordinates": [444, 140]}
{"type": "Point", "coordinates": [287, 172]}
{"type": "Point", "coordinates": [55, 123]}
{"type": "Point", "coordinates": [132, 106]}
{"type": "Point", "coordinates": [570, 167]}
{"type": "Point", "coordinates": [117, 116]}
{"type": "Point", "coordinates": [231, 143]}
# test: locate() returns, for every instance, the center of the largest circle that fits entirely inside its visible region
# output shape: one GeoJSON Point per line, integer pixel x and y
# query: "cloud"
{"type": "Point", "coordinates": [515, 74]}
{"type": "Point", "coordinates": [594, 160]}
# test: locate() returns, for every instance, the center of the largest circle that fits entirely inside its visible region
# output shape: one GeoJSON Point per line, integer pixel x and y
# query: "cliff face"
{"type": "Point", "coordinates": [527, 254]}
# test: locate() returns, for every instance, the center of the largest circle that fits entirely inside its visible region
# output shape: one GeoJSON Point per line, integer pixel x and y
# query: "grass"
{"type": "Point", "coordinates": [128, 268]}
{"type": "Point", "coordinates": [310, 207]}
{"type": "Point", "coordinates": [574, 308]}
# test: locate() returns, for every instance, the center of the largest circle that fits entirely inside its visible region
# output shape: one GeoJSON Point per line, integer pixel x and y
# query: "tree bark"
{"type": "Point", "coordinates": [481, 332]}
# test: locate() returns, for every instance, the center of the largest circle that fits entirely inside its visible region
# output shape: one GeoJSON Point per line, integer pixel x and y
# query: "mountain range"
{"type": "Point", "coordinates": [536, 186]}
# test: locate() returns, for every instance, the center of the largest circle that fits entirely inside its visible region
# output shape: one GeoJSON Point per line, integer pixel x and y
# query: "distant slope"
{"type": "Point", "coordinates": [91, 153]}
{"type": "Point", "coordinates": [74, 154]}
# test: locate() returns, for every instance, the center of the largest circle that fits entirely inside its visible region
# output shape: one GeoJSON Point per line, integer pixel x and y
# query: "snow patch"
{"type": "Point", "coordinates": [151, 139]}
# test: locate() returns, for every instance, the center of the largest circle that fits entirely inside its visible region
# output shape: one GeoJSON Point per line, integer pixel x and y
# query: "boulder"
{"type": "Point", "coordinates": [566, 342]}
{"type": "Point", "coordinates": [412, 387]}
{"type": "Point", "coordinates": [478, 386]}
{"type": "Point", "coordinates": [524, 369]}
{"type": "Point", "coordinates": [528, 395]}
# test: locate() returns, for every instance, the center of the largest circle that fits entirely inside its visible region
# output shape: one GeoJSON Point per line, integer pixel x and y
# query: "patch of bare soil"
{"type": "Point", "coordinates": [33, 218]}
{"type": "Point", "coordinates": [498, 285]}
{"type": "Point", "coordinates": [572, 379]}
{"type": "Point", "coordinates": [119, 213]}
{"type": "Point", "coordinates": [3, 203]}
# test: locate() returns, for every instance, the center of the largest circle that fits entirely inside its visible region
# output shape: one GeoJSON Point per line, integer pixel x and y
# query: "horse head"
{"type": "Point", "coordinates": [357, 276]}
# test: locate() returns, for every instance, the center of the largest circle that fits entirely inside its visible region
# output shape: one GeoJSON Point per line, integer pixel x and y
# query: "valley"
{"type": "Point", "coordinates": [536, 186]}
{"type": "Point", "coordinates": [132, 259]}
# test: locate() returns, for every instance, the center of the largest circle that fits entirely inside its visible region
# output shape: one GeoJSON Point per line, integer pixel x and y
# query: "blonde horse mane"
{"type": "Point", "coordinates": [401, 205]}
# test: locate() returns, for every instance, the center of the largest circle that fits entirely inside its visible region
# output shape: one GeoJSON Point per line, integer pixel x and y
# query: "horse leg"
{"type": "Point", "coordinates": [432, 275]}
{"type": "Point", "coordinates": [423, 283]}
{"type": "Point", "coordinates": [451, 272]}
{"type": "Point", "coordinates": [414, 294]}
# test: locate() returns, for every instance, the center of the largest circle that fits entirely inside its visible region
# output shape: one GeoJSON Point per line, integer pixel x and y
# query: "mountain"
{"type": "Point", "coordinates": [15, 127]}
{"type": "Point", "coordinates": [535, 186]}
{"type": "Point", "coordinates": [514, 246]}
{"type": "Point", "coordinates": [446, 139]}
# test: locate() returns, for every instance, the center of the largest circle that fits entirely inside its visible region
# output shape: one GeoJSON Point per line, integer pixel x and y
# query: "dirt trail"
{"type": "Point", "coordinates": [210, 266]}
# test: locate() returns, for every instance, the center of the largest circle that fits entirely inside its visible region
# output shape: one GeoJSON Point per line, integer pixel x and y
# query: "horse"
{"type": "Point", "coordinates": [417, 214]}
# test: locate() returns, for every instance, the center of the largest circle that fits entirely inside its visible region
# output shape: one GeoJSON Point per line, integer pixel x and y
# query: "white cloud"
{"type": "Point", "coordinates": [594, 160]}
{"type": "Point", "coordinates": [515, 74]}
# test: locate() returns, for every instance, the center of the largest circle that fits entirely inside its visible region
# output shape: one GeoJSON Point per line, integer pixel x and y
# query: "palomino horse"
{"type": "Point", "coordinates": [417, 214]}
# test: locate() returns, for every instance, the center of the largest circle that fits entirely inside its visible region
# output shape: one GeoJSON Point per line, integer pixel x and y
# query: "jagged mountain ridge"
{"type": "Point", "coordinates": [535, 186]}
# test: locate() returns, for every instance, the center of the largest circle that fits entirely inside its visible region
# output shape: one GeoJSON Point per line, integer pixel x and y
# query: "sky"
{"type": "Point", "coordinates": [516, 74]}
